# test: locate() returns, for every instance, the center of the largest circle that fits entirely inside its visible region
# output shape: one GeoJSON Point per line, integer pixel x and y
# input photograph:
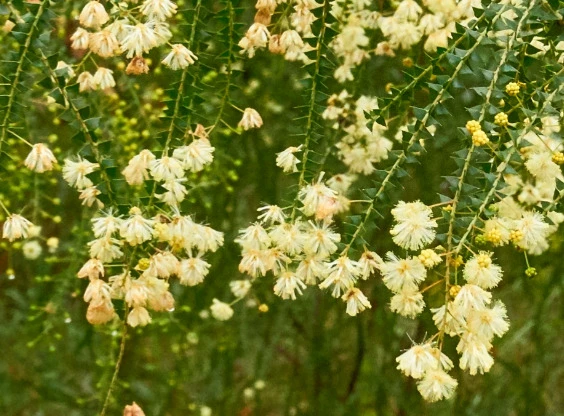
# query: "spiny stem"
{"type": "Point", "coordinates": [414, 138]}
{"type": "Point", "coordinates": [19, 70]}
{"type": "Point", "coordinates": [228, 69]}
{"type": "Point", "coordinates": [458, 194]}
{"type": "Point", "coordinates": [313, 94]}
{"type": "Point", "coordinates": [83, 127]}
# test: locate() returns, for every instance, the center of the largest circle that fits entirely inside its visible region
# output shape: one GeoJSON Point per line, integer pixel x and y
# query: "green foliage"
{"type": "Point", "coordinates": [312, 358]}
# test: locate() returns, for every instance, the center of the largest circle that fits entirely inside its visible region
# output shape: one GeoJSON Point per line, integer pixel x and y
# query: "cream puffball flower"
{"type": "Point", "coordinates": [86, 81]}
{"type": "Point", "coordinates": [286, 159]}
{"type": "Point", "coordinates": [40, 159]}
{"type": "Point", "coordinates": [408, 303]}
{"type": "Point", "coordinates": [356, 301]}
{"type": "Point", "coordinates": [93, 15]}
{"type": "Point", "coordinates": [104, 43]}
{"type": "Point", "coordinates": [240, 288]}
{"type": "Point", "coordinates": [75, 172]}
{"type": "Point", "coordinates": [402, 274]}
{"type": "Point", "coordinates": [93, 269]}
{"type": "Point", "coordinates": [480, 270]}
{"type": "Point", "coordinates": [251, 119]}
{"type": "Point", "coordinates": [196, 155]}
{"type": "Point", "coordinates": [221, 311]}
{"type": "Point", "coordinates": [288, 284]}
{"type": "Point", "coordinates": [139, 39]}
{"type": "Point", "coordinates": [436, 385]}
{"type": "Point", "coordinates": [16, 227]}
{"type": "Point", "coordinates": [139, 316]}
{"type": "Point", "coordinates": [179, 57]}
{"type": "Point", "coordinates": [166, 169]}
{"type": "Point", "coordinates": [80, 39]}
{"type": "Point", "coordinates": [417, 360]}
{"type": "Point", "coordinates": [104, 78]}
{"type": "Point", "coordinates": [414, 228]}
{"type": "Point", "coordinates": [192, 271]}
{"type": "Point", "coordinates": [136, 171]}
{"type": "Point", "coordinates": [271, 214]}
{"type": "Point", "coordinates": [158, 10]}
{"type": "Point", "coordinates": [136, 229]}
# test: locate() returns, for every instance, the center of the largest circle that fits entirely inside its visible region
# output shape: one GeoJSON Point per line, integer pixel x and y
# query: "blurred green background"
{"type": "Point", "coordinates": [302, 357]}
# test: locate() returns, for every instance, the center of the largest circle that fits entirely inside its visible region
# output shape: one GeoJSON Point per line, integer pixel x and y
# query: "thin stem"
{"type": "Point", "coordinates": [431, 285]}
{"type": "Point", "coordinates": [19, 69]}
{"type": "Point", "coordinates": [117, 367]}
{"type": "Point", "coordinates": [312, 100]}
{"type": "Point", "coordinates": [5, 209]}
{"type": "Point", "coordinates": [228, 68]}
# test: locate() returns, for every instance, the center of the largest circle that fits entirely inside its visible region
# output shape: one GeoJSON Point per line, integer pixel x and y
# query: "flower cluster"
{"type": "Point", "coordinates": [362, 146]}
{"type": "Point", "coordinates": [303, 252]}
{"type": "Point", "coordinates": [435, 23]}
{"type": "Point", "coordinates": [180, 245]}
{"type": "Point", "coordinates": [290, 42]}
{"type": "Point", "coordinates": [468, 313]}
{"type": "Point", "coordinates": [120, 32]}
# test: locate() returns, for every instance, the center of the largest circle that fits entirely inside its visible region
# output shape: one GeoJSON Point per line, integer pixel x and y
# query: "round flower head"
{"type": "Point", "coordinates": [86, 81]}
{"type": "Point", "coordinates": [408, 303]}
{"type": "Point", "coordinates": [40, 159]}
{"type": "Point", "coordinates": [417, 360]}
{"type": "Point", "coordinates": [533, 232]}
{"type": "Point", "coordinates": [104, 43]}
{"type": "Point", "coordinates": [342, 274]}
{"type": "Point", "coordinates": [271, 214]}
{"type": "Point", "coordinates": [139, 39]}
{"type": "Point", "coordinates": [75, 172]}
{"type": "Point", "coordinates": [488, 322]}
{"type": "Point", "coordinates": [105, 249]}
{"type": "Point", "coordinates": [480, 270]}
{"type": "Point", "coordinates": [139, 316]}
{"type": "Point", "coordinates": [221, 311]}
{"type": "Point", "coordinates": [136, 229]}
{"type": "Point", "coordinates": [93, 269]}
{"type": "Point", "coordinates": [16, 227]}
{"type": "Point", "coordinates": [471, 297]}
{"type": "Point", "coordinates": [356, 301]}
{"type": "Point", "coordinates": [32, 250]}
{"type": "Point", "coordinates": [166, 169]}
{"type": "Point", "coordinates": [80, 39]}
{"type": "Point", "coordinates": [414, 228]}
{"type": "Point", "coordinates": [192, 271]}
{"type": "Point", "coordinates": [312, 269]}
{"type": "Point", "coordinates": [136, 171]}
{"type": "Point", "coordinates": [288, 237]}
{"type": "Point", "coordinates": [288, 284]}
{"type": "Point", "coordinates": [106, 224]}
{"type": "Point", "coordinates": [251, 119]}
{"type": "Point", "coordinates": [158, 10]}
{"type": "Point", "coordinates": [104, 78]}
{"type": "Point", "coordinates": [196, 155]}
{"type": "Point", "coordinates": [253, 237]}
{"type": "Point", "coordinates": [474, 354]}
{"type": "Point", "coordinates": [93, 15]}
{"type": "Point", "coordinates": [162, 265]}
{"type": "Point", "coordinates": [100, 313]}
{"type": "Point", "coordinates": [321, 240]}
{"type": "Point", "coordinates": [180, 57]}
{"type": "Point", "coordinates": [402, 274]}
{"type": "Point", "coordinates": [436, 385]}
{"type": "Point", "coordinates": [319, 200]}
{"type": "Point", "coordinates": [287, 161]}
{"type": "Point", "coordinates": [240, 288]}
